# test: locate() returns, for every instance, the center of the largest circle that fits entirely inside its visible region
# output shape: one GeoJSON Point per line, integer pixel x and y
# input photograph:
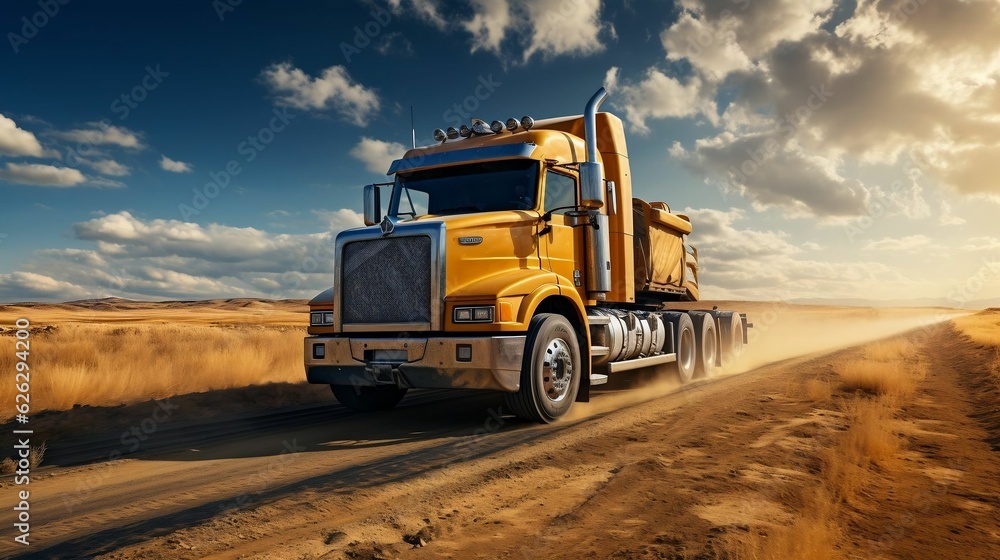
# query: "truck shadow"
{"type": "Point", "coordinates": [184, 428]}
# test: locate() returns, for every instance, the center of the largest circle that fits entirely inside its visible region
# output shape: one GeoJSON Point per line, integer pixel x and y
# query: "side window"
{"type": "Point", "coordinates": [560, 192]}
{"type": "Point", "coordinates": [413, 202]}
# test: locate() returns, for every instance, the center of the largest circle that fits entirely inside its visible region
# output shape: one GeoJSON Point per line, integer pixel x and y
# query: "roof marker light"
{"type": "Point", "coordinates": [452, 132]}
{"type": "Point", "coordinates": [479, 126]}
{"type": "Point", "coordinates": [512, 124]}
{"type": "Point", "coordinates": [464, 131]}
{"type": "Point", "coordinates": [439, 135]}
{"type": "Point", "coordinates": [527, 122]}
{"type": "Point", "coordinates": [496, 127]}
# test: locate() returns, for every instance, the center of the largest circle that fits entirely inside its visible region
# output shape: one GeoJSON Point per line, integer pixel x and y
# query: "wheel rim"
{"type": "Point", "coordinates": [686, 350]}
{"type": "Point", "coordinates": [710, 348]}
{"type": "Point", "coordinates": [557, 370]}
{"type": "Point", "coordinates": [737, 337]}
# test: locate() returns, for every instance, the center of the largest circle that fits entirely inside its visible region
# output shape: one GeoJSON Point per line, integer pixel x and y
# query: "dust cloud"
{"type": "Point", "coordinates": [780, 332]}
{"type": "Point", "coordinates": [783, 331]}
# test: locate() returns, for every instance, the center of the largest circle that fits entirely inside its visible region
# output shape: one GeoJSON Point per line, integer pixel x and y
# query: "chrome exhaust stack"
{"type": "Point", "coordinates": [592, 197]}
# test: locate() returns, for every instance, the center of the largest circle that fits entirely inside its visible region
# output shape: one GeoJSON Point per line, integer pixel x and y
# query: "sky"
{"type": "Point", "coordinates": [213, 149]}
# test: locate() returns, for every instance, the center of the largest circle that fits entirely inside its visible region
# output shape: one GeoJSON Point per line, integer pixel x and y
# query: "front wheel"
{"type": "Point", "coordinates": [368, 399]}
{"type": "Point", "coordinates": [550, 371]}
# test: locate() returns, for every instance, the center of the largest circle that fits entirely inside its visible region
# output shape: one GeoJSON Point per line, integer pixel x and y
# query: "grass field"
{"type": "Point", "coordinates": [123, 356]}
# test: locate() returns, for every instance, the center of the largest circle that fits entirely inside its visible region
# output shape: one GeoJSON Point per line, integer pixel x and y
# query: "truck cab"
{"type": "Point", "coordinates": [511, 257]}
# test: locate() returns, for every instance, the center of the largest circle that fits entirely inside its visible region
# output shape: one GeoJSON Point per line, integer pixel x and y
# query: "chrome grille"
{"type": "Point", "coordinates": [386, 280]}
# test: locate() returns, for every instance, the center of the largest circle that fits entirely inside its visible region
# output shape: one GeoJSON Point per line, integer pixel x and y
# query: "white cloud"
{"type": "Point", "coordinates": [563, 27]}
{"type": "Point", "coordinates": [175, 166]}
{"type": "Point", "coordinates": [489, 24]}
{"type": "Point", "coordinates": [101, 182]}
{"type": "Point", "coordinates": [29, 286]}
{"type": "Point", "coordinates": [427, 10]}
{"type": "Point", "coordinates": [109, 167]}
{"type": "Point", "coordinates": [41, 175]}
{"type": "Point", "coordinates": [377, 155]}
{"type": "Point", "coordinates": [984, 243]}
{"type": "Point", "coordinates": [948, 217]}
{"type": "Point", "coordinates": [710, 46]}
{"type": "Point", "coordinates": [714, 233]}
{"type": "Point", "coordinates": [761, 25]}
{"type": "Point", "coordinates": [772, 171]}
{"type": "Point", "coordinates": [657, 96]}
{"type": "Point", "coordinates": [15, 141]}
{"type": "Point", "coordinates": [334, 89]}
{"type": "Point", "coordinates": [102, 134]}
{"type": "Point", "coordinates": [907, 244]}
{"type": "Point", "coordinates": [159, 259]}
{"type": "Point", "coordinates": [745, 263]}
{"type": "Point", "coordinates": [342, 219]}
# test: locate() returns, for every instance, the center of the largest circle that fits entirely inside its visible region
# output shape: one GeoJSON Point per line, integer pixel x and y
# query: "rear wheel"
{"type": "Point", "coordinates": [550, 371]}
{"type": "Point", "coordinates": [368, 399]}
{"type": "Point", "coordinates": [730, 336]}
{"type": "Point", "coordinates": [708, 342]}
{"type": "Point", "coordinates": [684, 345]}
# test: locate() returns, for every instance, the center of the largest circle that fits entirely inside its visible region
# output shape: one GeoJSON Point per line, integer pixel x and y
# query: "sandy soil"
{"type": "Point", "coordinates": [700, 471]}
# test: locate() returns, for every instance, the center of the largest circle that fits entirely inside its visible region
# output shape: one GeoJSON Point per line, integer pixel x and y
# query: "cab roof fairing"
{"type": "Point", "coordinates": [479, 153]}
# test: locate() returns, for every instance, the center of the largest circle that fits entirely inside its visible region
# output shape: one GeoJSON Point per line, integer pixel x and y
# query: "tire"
{"type": "Point", "coordinates": [730, 336]}
{"type": "Point", "coordinates": [368, 399]}
{"type": "Point", "coordinates": [550, 371]}
{"type": "Point", "coordinates": [684, 346]}
{"type": "Point", "coordinates": [707, 339]}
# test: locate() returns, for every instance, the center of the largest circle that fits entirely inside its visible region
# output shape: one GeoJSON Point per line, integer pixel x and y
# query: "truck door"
{"type": "Point", "coordinates": [563, 245]}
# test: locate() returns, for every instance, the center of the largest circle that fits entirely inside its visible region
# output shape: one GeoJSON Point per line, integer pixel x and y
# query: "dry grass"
{"type": "Point", "coordinates": [35, 457]}
{"type": "Point", "coordinates": [818, 390]}
{"type": "Point", "coordinates": [889, 368]}
{"type": "Point", "coordinates": [876, 378]}
{"type": "Point", "coordinates": [106, 365]}
{"type": "Point", "coordinates": [812, 535]}
{"type": "Point", "coordinates": [982, 328]}
{"type": "Point", "coordinates": [878, 383]}
{"type": "Point", "coordinates": [870, 435]}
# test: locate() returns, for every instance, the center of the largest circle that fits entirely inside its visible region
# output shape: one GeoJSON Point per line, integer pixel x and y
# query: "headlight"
{"type": "Point", "coordinates": [321, 318]}
{"type": "Point", "coordinates": [476, 314]}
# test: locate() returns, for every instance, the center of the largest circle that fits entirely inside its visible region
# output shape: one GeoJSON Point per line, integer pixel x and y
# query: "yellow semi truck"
{"type": "Point", "coordinates": [512, 257]}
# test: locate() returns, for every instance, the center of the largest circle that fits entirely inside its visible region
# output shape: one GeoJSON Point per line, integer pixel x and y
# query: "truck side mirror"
{"type": "Point", "coordinates": [591, 185]}
{"type": "Point", "coordinates": [373, 205]}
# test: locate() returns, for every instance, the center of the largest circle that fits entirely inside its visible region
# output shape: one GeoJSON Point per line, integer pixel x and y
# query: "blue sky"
{"type": "Point", "coordinates": [823, 149]}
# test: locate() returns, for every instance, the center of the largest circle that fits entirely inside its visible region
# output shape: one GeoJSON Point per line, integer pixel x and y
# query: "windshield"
{"type": "Point", "coordinates": [461, 189]}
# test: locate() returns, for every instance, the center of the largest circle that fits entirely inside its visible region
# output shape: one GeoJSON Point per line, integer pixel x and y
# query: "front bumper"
{"type": "Point", "coordinates": [494, 362]}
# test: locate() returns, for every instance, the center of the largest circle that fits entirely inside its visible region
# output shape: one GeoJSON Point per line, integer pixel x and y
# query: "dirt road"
{"type": "Point", "coordinates": [702, 471]}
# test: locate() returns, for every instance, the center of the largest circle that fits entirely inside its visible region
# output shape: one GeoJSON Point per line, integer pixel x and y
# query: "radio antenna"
{"type": "Point", "coordinates": [413, 131]}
